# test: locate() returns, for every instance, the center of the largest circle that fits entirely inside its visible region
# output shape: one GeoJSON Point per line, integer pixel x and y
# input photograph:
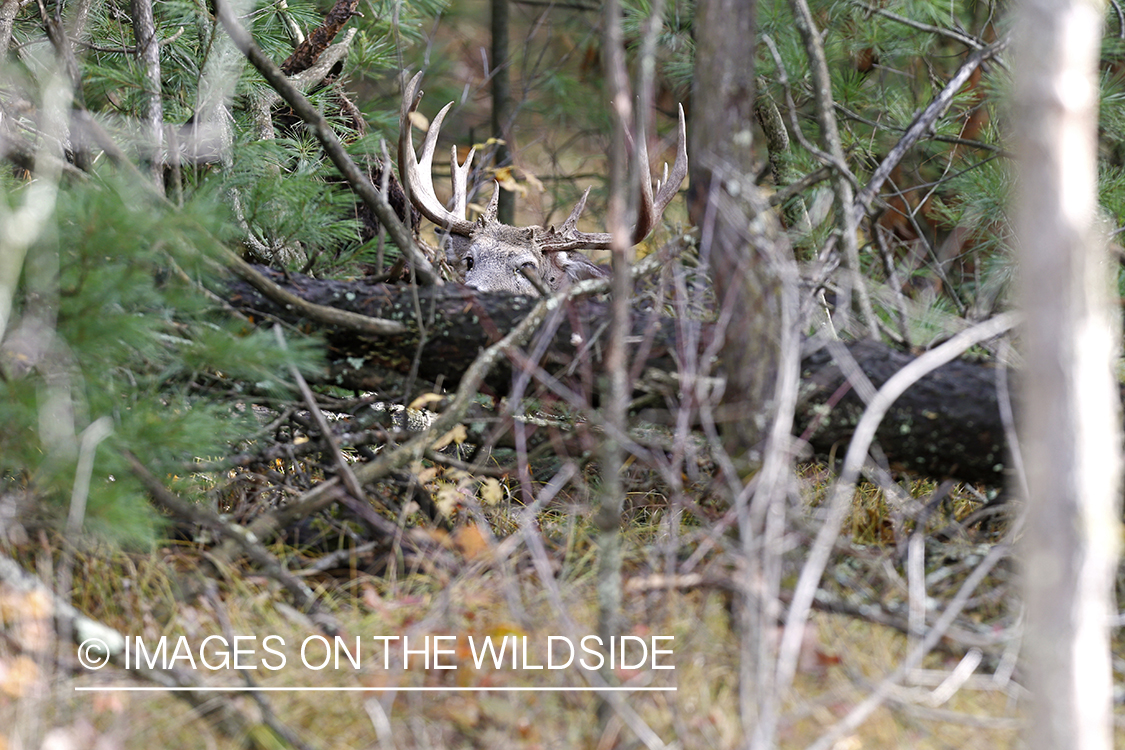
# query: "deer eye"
{"type": "Point", "coordinates": [469, 263]}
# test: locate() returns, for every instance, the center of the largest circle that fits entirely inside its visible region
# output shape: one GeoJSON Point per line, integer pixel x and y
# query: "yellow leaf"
{"type": "Point", "coordinates": [507, 181]}
{"type": "Point", "coordinates": [18, 676]}
{"type": "Point", "coordinates": [506, 628]}
{"type": "Point", "coordinates": [425, 400]}
{"type": "Point", "coordinates": [447, 499]}
{"type": "Point", "coordinates": [490, 491]}
{"type": "Point", "coordinates": [458, 476]}
{"type": "Point", "coordinates": [471, 542]}
{"type": "Point", "coordinates": [534, 182]}
{"type": "Point", "coordinates": [456, 435]}
{"type": "Point", "coordinates": [418, 120]}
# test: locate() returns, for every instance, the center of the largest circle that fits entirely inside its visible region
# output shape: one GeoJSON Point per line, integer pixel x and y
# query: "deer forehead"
{"type": "Point", "coordinates": [502, 239]}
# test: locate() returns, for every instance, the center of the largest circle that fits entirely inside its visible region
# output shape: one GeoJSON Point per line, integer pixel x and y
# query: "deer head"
{"type": "Point", "coordinates": [496, 256]}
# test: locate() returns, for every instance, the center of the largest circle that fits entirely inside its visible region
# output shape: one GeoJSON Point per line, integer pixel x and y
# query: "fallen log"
{"type": "Point", "coordinates": [946, 425]}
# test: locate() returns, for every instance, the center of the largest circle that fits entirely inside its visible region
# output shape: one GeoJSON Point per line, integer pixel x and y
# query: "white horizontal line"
{"type": "Point", "coordinates": [243, 689]}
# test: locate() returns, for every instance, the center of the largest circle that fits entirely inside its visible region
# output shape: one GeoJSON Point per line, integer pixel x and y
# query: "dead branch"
{"type": "Point", "coordinates": [313, 46]}
{"type": "Point", "coordinates": [252, 547]}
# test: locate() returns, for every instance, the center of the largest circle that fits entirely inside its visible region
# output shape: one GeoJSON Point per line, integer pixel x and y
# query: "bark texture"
{"type": "Point", "coordinates": [739, 237]}
{"type": "Point", "coordinates": [310, 50]}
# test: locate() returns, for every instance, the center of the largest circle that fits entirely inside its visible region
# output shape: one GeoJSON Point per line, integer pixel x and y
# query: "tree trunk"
{"type": "Point", "coordinates": [502, 103]}
{"type": "Point", "coordinates": [148, 53]}
{"type": "Point", "coordinates": [741, 240]}
{"type": "Point", "coordinates": [1071, 424]}
{"type": "Point", "coordinates": [739, 236]}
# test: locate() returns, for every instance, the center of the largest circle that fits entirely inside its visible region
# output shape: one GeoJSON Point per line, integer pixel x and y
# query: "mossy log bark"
{"type": "Point", "coordinates": [947, 425]}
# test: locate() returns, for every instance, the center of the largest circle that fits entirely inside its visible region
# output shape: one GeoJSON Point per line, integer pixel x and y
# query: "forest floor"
{"type": "Point", "coordinates": [497, 592]}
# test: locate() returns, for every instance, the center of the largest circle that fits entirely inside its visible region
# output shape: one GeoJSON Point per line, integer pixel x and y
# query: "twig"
{"type": "Point", "coordinates": [245, 540]}
{"type": "Point", "coordinates": [529, 531]}
{"type": "Point", "coordinates": [840, 501]}
{"type": "Point", "coordinates": [956, 36]}
{"type": "Point", "coordinates": [796, 188]}
{"type": "Point", "coordinates": [325, 429]}
{"type": "Point", "coordinates": [921, 124]}
{"type": "Point", "coordinates": [339, 557]}
{"type": "Point", "coordinates": [357, 503]}
{"type": "Point", "coordinates": [795, 125]}
{"type": "Point", "coordinates": [950, 139]}
{"type": "Point", "coordinates": [845, 180]}
{"type": "Point", "coordinates": [914, 658]}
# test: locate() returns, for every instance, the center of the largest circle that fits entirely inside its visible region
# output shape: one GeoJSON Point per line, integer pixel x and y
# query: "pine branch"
{"type": "Point", "coordinates": [921, 125]}
{"type": "Point", "coordinates": [318, 125]}
{"type": "Point", "coordinates": [309, 50]}
{"type": "Point", "coordinates": [953, 34]}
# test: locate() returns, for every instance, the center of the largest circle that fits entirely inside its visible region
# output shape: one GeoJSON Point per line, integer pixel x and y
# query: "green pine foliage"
{"type": "Point", "coordinates": [119, 305]}
{"type": "Point", "coordinates": [136, 338]}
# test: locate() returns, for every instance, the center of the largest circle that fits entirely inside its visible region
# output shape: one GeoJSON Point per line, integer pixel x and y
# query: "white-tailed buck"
{"type": "Point", "coordinates": [496, 256]}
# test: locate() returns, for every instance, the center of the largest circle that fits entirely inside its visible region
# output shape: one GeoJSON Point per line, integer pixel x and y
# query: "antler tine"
{"type": "Point", "coordinates": [571, 223]}
{"type": "Point", "coordinates": [651, 208]}
{"type": "Point", "coordinates": [646, 213]}
{"type": "Point", "coordinates": [669, 186]}
{"type": "Point", "coordinates": [490, 210]}
{"type": "Point", "coordinates": [417, 174]}
{"type": "Point", "coordinates": [460, 180]}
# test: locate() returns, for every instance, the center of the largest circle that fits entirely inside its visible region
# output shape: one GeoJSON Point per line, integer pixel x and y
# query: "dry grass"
{"type": "Point", "coordinates": [141, 595]}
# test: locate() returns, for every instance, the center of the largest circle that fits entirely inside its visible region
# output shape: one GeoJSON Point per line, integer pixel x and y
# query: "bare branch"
{"type": "Point", "coordinates": [842, 185]}
{"type": "Point", "coordinates": [921, 124]}
{"type": "Point", "coordinates": [853, 462]}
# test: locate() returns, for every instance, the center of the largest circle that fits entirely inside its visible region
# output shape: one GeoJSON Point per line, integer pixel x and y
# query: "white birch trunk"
{"type": "Point", "coordinates": [1070, 432]}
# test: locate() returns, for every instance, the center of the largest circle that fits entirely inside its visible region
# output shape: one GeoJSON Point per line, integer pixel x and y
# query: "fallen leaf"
{"type": "Point", "coordinates": [457, 435]}
{"type": "Point", "coordinates": [425, 400]}
{"type": "Point", "coordinates": [491, 493]}
{"type": "Point", "coordinates": [419, 120]}
{"type": "Point", "coordinates": [471, 542]}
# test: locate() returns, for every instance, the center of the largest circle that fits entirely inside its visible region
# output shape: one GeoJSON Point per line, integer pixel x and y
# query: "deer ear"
{"type": "Point", "coordinates": [577, 266]}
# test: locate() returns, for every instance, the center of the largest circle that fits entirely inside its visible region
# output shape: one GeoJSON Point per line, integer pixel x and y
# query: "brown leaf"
{"type": "Point", "coordinates": [471, 542]}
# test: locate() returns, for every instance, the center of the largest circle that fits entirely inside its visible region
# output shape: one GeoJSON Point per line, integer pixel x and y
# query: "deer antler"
{"type": "Point", "coordinates": [417, 174]}
{"type": "Point", "coordinates": [649, 211]}
{"type": "Point", "coordinates": [417, 180]}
